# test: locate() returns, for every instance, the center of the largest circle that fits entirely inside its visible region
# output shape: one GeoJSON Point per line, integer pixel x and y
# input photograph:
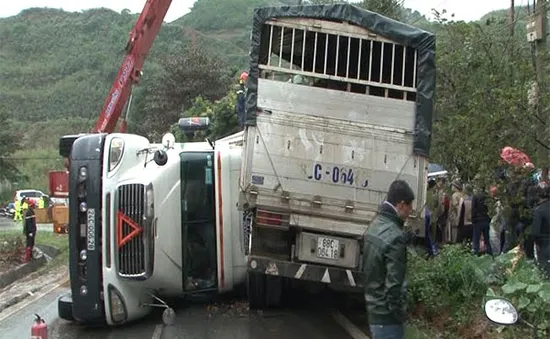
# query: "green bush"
{"type": "Point", "coordinates": [526, 288]}
{"type": "Point", "coordinates": [448, 291]}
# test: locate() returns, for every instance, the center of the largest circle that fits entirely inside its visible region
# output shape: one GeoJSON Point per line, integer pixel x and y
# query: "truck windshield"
{"type": "Point", "coordinates": [198, 220]}
{"type": "Point", "coordinates": [196, 186]}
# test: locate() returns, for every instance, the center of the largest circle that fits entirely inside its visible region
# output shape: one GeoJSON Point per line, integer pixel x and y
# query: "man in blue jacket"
{"type": "Point", "coordinates": [241, 98]}
{"type": "Point", "coordinates": [385, 264]}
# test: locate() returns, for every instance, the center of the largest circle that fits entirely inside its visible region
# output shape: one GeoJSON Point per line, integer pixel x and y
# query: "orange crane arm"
{"type": "Point", "coordinates": [141, 39]}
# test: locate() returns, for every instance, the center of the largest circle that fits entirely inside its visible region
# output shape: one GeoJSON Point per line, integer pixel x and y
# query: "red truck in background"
{"type": "Point", "coordinates": [59, 184]}
{"type": "Point", "coordinates": [58, 214]}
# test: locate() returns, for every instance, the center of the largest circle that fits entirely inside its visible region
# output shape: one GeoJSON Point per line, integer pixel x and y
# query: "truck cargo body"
{"type": "Point", "coordinates": [332, 120]}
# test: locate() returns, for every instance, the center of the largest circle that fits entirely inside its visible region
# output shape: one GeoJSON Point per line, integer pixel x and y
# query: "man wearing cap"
{"type": "Point", "coordinates": [241, 98]}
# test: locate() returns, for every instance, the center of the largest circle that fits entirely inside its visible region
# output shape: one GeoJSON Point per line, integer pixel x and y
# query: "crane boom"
{"type": "Point", "coordinates": [141, 39]}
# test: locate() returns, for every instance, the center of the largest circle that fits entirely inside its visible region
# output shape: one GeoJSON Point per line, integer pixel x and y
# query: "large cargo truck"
{"type": "Point", "coordinates": [339, 105]}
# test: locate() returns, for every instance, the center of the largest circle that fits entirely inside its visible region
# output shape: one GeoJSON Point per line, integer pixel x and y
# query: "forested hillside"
{"type": "Point", "coordinates": [56, 69]}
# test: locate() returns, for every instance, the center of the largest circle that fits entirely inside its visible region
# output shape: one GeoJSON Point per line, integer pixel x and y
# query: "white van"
{"type": "Point", "coordinates": [33, 195]}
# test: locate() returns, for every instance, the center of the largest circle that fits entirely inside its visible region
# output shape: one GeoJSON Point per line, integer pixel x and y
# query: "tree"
{"type": "Point", "coordinates": [186, 74]}
{"type": "Point", "coordinates": [222, 114]}
{"type": "Point", "coordinates": [10, 142]}
{"type": "Point", "coordinates": [390, 8]}
{"type": "Point", "coordinates": [483, 77]}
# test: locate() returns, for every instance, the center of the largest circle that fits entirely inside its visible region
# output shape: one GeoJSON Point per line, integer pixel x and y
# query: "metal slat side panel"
{"type": "Point", "coordinates": [378, 79]}
{"type": "Point", "coordinates": [131, 255]}
{"type": "Point", "coordinates": [291, 148]}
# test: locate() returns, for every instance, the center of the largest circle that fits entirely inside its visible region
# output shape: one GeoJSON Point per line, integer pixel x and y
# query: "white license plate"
{"type": "Point", "coordinates": [90, 230]}
{"type": "Point", "coordinates": [328, 248]}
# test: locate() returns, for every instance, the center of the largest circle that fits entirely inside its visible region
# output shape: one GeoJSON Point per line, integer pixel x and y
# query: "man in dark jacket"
{"type": "Point", "coordinates": [481, 221]}
{"type": "Point", "coordinates": [385, 264]}
{"type": "Point", "coordinates": [540, 231]}
{"type": "Point", "coordinates": [30, 230]}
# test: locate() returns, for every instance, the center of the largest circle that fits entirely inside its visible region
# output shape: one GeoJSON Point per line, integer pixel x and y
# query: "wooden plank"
{"type": "Point", "coordinates": [330, 27]}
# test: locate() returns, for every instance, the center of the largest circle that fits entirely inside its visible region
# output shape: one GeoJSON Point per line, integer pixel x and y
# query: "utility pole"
{"type": "Point", "coordinates": [536, 35]}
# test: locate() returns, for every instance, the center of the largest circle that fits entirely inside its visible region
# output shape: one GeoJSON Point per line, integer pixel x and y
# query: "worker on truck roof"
{"type": "Point", "coordinates": [385, 264]}
{"type": "Point", "coordinates": [241, 96]}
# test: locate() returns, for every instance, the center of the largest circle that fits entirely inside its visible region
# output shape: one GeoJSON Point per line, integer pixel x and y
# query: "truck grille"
{"type": "Point", "coordinates": [131, 235]}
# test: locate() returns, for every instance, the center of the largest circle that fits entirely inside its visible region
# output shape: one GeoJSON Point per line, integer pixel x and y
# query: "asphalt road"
{"type": "Point", "coordinates": [227, 318]}
{"type": "Point", "coordinates": [310, 316]}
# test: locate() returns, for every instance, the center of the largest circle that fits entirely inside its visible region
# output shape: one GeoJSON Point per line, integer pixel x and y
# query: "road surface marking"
{"type": "Point", "coordinates": [18, 307]}
{"type": "Point", "coordinates": [348, 326]}
{"type": "Point", "coordinates": [158, 332]}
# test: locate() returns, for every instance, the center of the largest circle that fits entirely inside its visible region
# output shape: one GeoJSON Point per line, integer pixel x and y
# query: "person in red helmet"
{"type": "Point", "coordinates": [243, 78]}
{"type": "Point", "coordinates": [29, 230]}
{"type": "Point", "coordinates": [241, 96]}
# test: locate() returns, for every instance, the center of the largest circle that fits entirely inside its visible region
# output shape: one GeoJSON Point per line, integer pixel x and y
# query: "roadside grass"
{"type": "Point", "coordinates": [419, 330]}
{"type": "Point", "coordinates": [60, 241]}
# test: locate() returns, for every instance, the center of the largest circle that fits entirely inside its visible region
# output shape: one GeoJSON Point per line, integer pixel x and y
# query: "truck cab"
{"type": "Point", "coordinates": [149, 221]}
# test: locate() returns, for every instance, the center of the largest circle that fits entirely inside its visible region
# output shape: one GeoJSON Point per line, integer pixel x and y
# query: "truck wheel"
{"type": "Point", "coordinates": [65, 307]}
{"type": "Point", "coordinates": [274, 287]}
{"type": "Point", "coordinates": [256, 289]}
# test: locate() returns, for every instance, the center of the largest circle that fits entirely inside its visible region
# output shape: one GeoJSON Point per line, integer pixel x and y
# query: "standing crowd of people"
{"type": "Point", "coordinates": [493, 219]}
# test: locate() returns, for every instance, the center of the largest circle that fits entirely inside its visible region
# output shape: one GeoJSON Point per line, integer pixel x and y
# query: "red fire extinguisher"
{"type": "Point", "coordinates": [39, 329]}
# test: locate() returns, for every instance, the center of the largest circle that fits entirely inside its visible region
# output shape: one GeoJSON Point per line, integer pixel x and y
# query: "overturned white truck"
{"type": "Point", "coordinates": [339, 105]}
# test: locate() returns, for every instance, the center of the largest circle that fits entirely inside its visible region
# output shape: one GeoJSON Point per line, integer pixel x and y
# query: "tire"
{"type": "Point", "coordinates": [256, 289]}
{"type": "Point", "coordinates": [274, 289]}
{"type": "Point", "coordinates": [65, 307]}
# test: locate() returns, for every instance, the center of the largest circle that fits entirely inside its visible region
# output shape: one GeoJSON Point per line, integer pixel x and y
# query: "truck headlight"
{"type": "Point", "coordinates": [118, 309]}
{"type": "Point", "coordinates": [116, 151]}
{"type": "Point", "coordinates": [149, 202]}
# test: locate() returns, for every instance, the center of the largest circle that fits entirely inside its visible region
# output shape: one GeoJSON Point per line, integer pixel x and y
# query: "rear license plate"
{"type": "Point", "coordinates": [328, 248]}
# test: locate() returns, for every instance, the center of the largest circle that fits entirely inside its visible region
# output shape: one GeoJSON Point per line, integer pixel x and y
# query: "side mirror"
{"type": "Point", "coordinates": [501, 311]}
{"type": "Point", "coordinates": [168, 140]}
{"type": "Point", "coordinates": [160, 157]}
